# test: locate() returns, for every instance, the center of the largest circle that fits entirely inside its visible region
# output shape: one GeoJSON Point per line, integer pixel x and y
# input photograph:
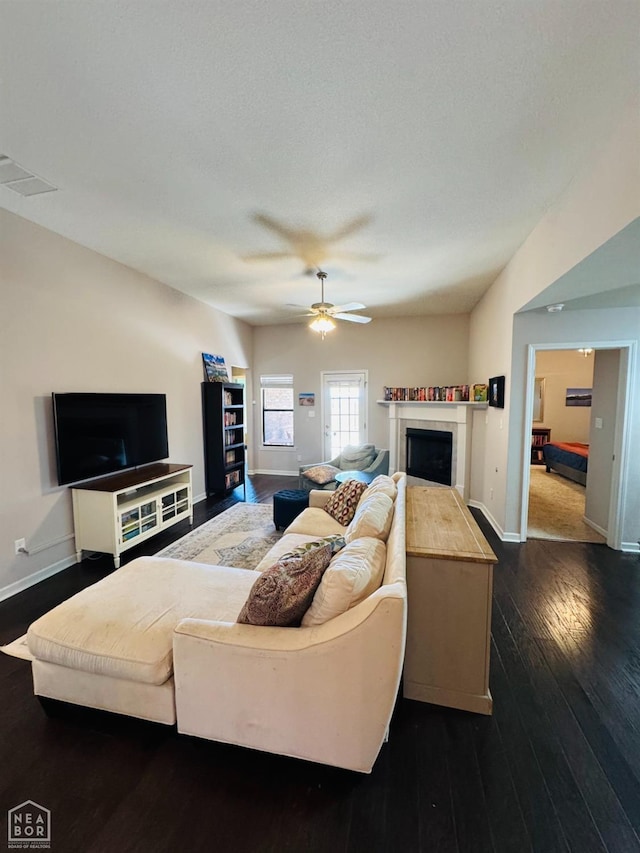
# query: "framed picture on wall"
{"type": "Point", "coordinates": [496, 392]}
{"type": "Point", "coordinates": [214, 368]}
{"type": "Point", "coordinates": [578, 397]}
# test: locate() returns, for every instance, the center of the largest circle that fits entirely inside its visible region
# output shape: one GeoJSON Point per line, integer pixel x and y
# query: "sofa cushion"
{"type": "Point", "coordinates": [343, 502]}
{"type": "Point", "coordinates": [353, 574]}
{"type": "Point", "coordinates": [282, 594]}
{"type": "Point", "coordinates": [373, 518]}
{"type": "Point", "coordinates": [321, 474]}
{"type": "Point", "coordinates": [315, 522]}
{"type": "Point", "coordinates": [335, 541]}
{"type": "Point", "coordinates": [357, 457]}
{"type": "Point", "coordinates": [283, 546]}
{"type": "Point", "coordinates": [382, 483]}
{"type": "Point", "coordinates": [123, 625]}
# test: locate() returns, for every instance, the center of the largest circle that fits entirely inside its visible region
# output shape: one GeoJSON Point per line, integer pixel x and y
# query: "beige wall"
{"type": "Point", "coordinates": [410, 351]}
{"type": "Point", "coordinates": [602, 439]}
{"type": "Point", "coordinates": [72, 320]}
{"type": "Point", "coordinates": [564, 369]}
{"type": "Point", "coordinates": [598, 204]}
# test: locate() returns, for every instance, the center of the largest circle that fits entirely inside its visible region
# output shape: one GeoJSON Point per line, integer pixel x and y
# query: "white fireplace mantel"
{"type": "Point", "coordinates": [458, 414]}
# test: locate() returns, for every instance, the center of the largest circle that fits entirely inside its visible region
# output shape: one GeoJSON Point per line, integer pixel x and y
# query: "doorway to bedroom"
{"type": "Point", "coordinates": [560, 431]}
{"type": "Point", "coordinates": [564, 502]}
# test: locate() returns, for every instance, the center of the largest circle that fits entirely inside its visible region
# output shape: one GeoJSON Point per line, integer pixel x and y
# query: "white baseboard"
{"type": "Point", "coordinates": [276, 473]}
{"type": "Point", "coordinates": [504, 537]}
{"type": "Point", "coordinates": [36, 577]}
{"type": "Point", "coordinates": [595, 526]}
{"type": "Point", "coordinates": [630, 547]}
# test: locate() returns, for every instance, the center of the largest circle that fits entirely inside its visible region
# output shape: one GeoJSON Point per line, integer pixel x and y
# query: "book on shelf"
{"type": "Point", "coordinates": [427, 394]}
{"type": "Point", "coordinates": [232, 479]}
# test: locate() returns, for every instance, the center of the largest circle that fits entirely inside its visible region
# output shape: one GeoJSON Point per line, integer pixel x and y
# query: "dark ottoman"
{"type": "Point", "coordinates": [287, 505]}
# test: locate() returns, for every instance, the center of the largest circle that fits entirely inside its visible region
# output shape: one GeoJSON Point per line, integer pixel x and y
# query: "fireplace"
{"type": "Point", "coordinates": [456, 418]}
{"type": "Point", "coordinates": [429, 454]}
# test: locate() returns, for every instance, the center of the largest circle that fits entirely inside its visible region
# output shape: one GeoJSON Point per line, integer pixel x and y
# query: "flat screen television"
{"type": "Point", "coordinates": [100, 434]}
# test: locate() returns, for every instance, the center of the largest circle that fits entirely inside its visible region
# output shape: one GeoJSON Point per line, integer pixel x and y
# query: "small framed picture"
{"type": "Point", "coordinates": [214, 368]}
{"type": "Point", "coordinates": [578, 397]}
{"type": "Point", "coordinates": [496, 392]}
{"type": "Point", "coordinates": [480, 391]}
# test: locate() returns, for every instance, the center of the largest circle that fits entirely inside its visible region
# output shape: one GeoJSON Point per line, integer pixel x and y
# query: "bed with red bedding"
{"type": "Point", "coordinates": [569, 458]}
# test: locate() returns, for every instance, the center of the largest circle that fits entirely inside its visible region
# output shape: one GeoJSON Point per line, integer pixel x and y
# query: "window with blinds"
{"type": "Point", "coordinates": [277, 410]}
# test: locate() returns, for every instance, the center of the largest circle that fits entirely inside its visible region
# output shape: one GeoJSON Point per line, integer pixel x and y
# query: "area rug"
{"type": "Point", "coordinates": [239, 537]}
{"type": "Point", "coordinates": [18, 649]}
{"type": "Point", "coordinates": [556, 509]}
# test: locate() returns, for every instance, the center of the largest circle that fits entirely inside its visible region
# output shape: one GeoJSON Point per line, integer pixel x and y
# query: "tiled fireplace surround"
{"type": "Point", "coordinates": [455, 418]}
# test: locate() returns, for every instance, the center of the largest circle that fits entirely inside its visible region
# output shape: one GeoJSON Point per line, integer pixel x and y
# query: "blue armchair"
{"type": "Point", "coordinates": [366, 458]}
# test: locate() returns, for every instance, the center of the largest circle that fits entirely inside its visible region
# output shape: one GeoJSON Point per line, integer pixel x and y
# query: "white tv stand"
{"type": "Point", "coordinates": [115, 513]}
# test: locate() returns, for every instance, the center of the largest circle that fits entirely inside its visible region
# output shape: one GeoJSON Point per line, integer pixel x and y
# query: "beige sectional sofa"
{"type": "Point", "coordinates": [158, 639]}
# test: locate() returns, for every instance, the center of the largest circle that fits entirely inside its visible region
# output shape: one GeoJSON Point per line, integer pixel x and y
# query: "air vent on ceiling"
{"type": "Point", "coordinates": [15, 178]}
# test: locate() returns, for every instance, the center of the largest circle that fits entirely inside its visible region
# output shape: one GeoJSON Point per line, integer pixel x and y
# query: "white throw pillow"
{"type": "Point", "coordinates": [373, 518]}
{"type": "Point", "coordinates": [384, 484]}
{"type": "Point", "coordinates": [353, 574]}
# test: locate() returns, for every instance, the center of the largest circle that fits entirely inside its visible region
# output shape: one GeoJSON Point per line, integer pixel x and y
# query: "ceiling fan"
{"type": "Point", "coordinates": [325, 313]}
{"type": "Point", "coordinates": [312, 247]}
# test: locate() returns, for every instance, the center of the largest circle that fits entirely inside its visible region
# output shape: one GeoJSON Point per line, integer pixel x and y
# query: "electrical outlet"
{"type": "Point", "coordinates": [299, 457]}
{"type": "Point", "coordinates": [491, 494]}
{"type": "Point", "coordinates": [20, 546]}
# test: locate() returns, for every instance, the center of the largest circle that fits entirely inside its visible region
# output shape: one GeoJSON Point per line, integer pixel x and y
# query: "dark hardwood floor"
{"type": "Point", "coordinates": [556, 768]}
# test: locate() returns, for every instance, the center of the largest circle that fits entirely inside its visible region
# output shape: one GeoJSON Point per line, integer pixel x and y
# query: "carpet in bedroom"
{"type": "Point", "coordinates": [556, 509]}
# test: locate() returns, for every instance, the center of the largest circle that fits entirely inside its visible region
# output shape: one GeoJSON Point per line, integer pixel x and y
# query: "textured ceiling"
{"type": "Point", "coordinates": [408, 147]}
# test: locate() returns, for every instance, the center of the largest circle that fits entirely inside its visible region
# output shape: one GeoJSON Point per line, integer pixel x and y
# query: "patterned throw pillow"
{"type": "Point", "coordinates": [335, 541]}
{"type": "Point", "coordinates": [282, 594]}
{"type": "Point", "coordinates": [321, 474]}
{"type": "Point", "coordinates": [343, 502]}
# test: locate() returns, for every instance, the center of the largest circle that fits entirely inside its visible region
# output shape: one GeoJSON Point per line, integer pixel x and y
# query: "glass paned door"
{"type": "Point", "coordinates": [344, 410]}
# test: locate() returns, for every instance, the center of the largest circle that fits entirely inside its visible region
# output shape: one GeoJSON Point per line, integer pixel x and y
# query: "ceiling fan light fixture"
{"type": "Point", "coordinates": [322, 324]}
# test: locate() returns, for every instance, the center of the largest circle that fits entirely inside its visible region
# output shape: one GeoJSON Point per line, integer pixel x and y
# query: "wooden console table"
{"type": "Point", "coordinates": [449, 587]}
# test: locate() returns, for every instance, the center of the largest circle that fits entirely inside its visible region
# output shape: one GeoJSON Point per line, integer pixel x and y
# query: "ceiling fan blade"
{"type": "Point", "coordinates": [352, 318]}
{"type": "Point", "coordinates": [356, 256]}
{"type": "Point", "coordinates": [350, 306]}
{"type": "Point", "coordinates": [267, 256]}
{"type": "Point", "coordinates": [278, 227]}
{"type": "Point", "coordinates": [349, 228]}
